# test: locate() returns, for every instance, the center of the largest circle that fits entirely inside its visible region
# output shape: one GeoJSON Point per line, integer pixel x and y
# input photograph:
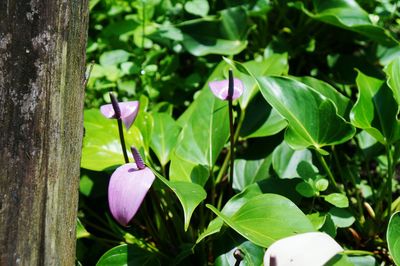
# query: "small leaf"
{"type": "Point", "coordinates": [197, 7]}
{"type": "Point", "coordinates": [338, 200]}
{"type": "Point", "coordinates": [341, 217]}
{"type": "Point", "coordinates": [266, 209]}
{"type": "Point", "coordinates": [285, 160]}
{"type": "Point", "coordinates": [393, 237]}
{"type": "Point", "coordinates": [114, 57]}
{"type": "Point", "coordinates": [81, 231]}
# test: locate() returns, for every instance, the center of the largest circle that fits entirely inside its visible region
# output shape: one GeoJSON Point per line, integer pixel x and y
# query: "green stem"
{"type": "Point", "coordinates": [357, 252]}
{"type": "Point", "coordinates": [328, 171]}
{"type": "Point", "coordinates": [122, 140]}
{"type": "Point", "coordinates": [389, 178]}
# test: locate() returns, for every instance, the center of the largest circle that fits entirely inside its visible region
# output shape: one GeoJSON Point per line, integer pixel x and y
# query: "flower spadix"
{"type": "Point", "coordinates": [126, 111]}
{"type": "Point", "coordinates": [227, 89]}
{"type": "Point", "coordinates": [127, 188]}
{"type": "Point", "coordinates": [311, 249]}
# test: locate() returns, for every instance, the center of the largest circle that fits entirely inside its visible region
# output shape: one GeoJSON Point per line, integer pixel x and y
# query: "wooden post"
{"type": "Point", "coordinates": [42, 59]}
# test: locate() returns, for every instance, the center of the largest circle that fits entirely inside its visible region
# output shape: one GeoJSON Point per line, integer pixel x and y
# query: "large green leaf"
{"type": "Point", "coordinates": [204, 133]}
{"type": "Point", "coordinates": [189, 194]}
{"type": "Point", "coordinates": [101, 146]}
{"type": "Point", "coordinates": [285, 160]}
{"type": "Point", "coordinates": [267, 218]}
{"type": "Point", "coordinates": [341, 102]}
{"type": "Point", "coordinates": [393, 78]}
{"type": "Point", "coordinates": [225, 35]}
{"type": "Point", "coordinates": [164, 136]}
{"type": "Point", "coordinates": [393, 237]}
{"type": "Point", "coordinates": [375, 110]}
{"type": "Point", "coordinates": [312, 117]}
{"type": "Point", "coordinates": [347, 14]}
{"type": "Point", "coordinates": [128, 255]}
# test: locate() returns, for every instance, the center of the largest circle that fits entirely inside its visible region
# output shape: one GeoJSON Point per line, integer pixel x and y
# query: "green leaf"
{"type": "Point", "coordinates": [81, 231]}
{"type": "Point", "coordinates": [248, 172]}
{"type": "Point", "coordinates": [114, 57]}
{"type": "Point", "coordinates": [393, 78]}
{"type": "Point", "coordinates": [261, 120]}
{"type": "Point", "coordinates": [347, 14]}
{"type": "Point", "coordinates": [266, 210]}
{"type": "Point", "coordinates": [341, 102]}
{"type": "Point", "coordinates": [285, 160]}
{"type": "Point", "coordinates": [393, 237]}
{"type": "Point", "coordinates": [197, 7]}
{"type": "Point", "coordinates": [275, 64]}
{"type": "Point", "coordinates": [164, 137]}
{"type": "Point", "coordinates": [338, 200]}
{"type": "Point", "coordinates": [189, 194]}
{"type": "Point", "coordinates": [375, 110]}
{"type": "Point", "coordinates": [225, 35]}
{"type": "Point", "coordinates": [128, 255]}
{"type": "Point", "coordinates": [145, 122]}
{"type": "Point", "coordinates": [101, 146]}
{"type": "Point", "coordinates": [317, 127]}
{"type": "Point", "coordinates": [204, 133]}
{"type": "Point", "coordinates": [341, 217]}
{"type": "Point", "coordinates": [252, 255]}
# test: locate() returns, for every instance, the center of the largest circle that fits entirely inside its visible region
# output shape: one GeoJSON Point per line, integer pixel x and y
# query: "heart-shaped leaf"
{"type": "Point", "coordinates": [312, 117]}
{"type": "Point", "coordinates": [197, 7]}
{"type": "Point", "coordinates": [266, 210]}
{"type": "Point", "coordinates": [101, 146]}
{"type": "Point", "coordinates": [393, 237]}
{"type": "Point", "coordinates": [129, 255]}
{"type": "Point", "coordinates": [375, 110]}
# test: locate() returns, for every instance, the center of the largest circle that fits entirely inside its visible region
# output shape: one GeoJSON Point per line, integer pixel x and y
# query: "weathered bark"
{"type": "Point", "coordinates": [42, 57]}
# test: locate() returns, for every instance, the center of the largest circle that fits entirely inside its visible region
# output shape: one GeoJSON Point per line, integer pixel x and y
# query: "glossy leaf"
{"type": "Point", "coordinates": [341, 102]}
{"type": "Point", "coordinates": [164, 137]}
{"type": "Point", "coordinates": [393, 237]}
{"type": "Point", "coordinates": [128, 255]}
{"type": "Point", "coordinates": [285, 160]}
{"type": "Point", "coordinates": [275, 64]}
{"type": "Point", "coordinates": [252, 255]}
{"type": "Point", "coordinates": [393, 78]}
{"type": "Point", "coordinates": [101, 146]}
{"type": "Point", "coordinates": [248, 172]}
{"type": "Point", "coordinates": [375, 110]}
{"type": "Point", "coordinates": [225, 35]}
{"type": "Point", "coordinates": [347, 14]}
{"type": "Point", "coordinates": [267, 209]}
{"type": "Point", "coordinates": [189, 194]}
{"type": "Point", "coordinates": [261, 120]}
{"type": "Point", "coordinates": [145, 122]}
{"type": "Point", "coordinates": [312, 118]}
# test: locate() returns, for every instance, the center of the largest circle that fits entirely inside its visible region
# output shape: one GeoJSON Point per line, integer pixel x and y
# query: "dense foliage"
{"type": "Point", "coordinates": [317, 129]}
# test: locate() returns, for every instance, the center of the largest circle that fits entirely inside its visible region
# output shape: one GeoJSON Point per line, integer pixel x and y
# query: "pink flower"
{"type": "Point", "coordinates": [221, 88]}
{"type": "Point", "coordinates": [126, 111]}
{"type": "Point", "coordinates": [127, 188]}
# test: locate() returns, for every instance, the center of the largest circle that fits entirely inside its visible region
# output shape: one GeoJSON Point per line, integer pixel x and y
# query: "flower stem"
{"type": "Point", "coordinates": [122, 140]}
{"type": "Point", "coordinates": [231, 130]}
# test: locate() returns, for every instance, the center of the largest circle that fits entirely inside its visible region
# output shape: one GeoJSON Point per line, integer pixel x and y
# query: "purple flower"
{"type": "Point", "coordinates": [128, 186]}
{"type": "Point", "coordinates": [126, 111]}
{"type": "Point", "coordinates": [221, 88]}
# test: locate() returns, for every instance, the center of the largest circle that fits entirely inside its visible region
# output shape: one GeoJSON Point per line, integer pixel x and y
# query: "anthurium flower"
{"type": "Point", "coordinates": [126, 111]}
{"type": "Point", "coordinates": [311, 249]}
{"type": "Point", "coordinates": [127, 188]}
{"type": "Point", "coordinates": [221, 88]}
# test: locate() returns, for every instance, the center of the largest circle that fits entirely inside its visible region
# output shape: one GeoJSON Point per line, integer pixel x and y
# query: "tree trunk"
{"type": "Point", "coordinates": [42, 58]}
